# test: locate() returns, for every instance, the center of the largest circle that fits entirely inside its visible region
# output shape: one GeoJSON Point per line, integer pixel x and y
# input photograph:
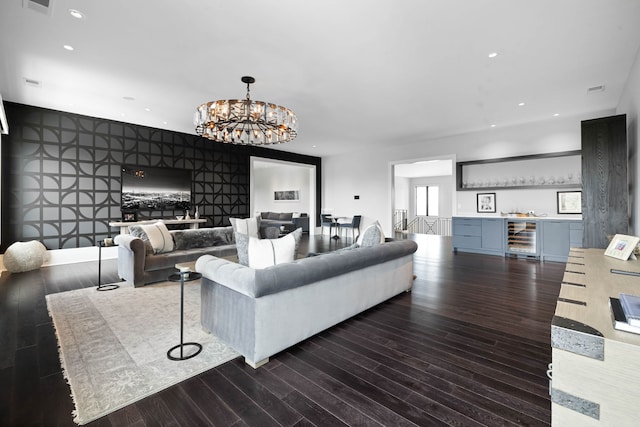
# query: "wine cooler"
{"type": "Point", "coordinates": [522, 238]}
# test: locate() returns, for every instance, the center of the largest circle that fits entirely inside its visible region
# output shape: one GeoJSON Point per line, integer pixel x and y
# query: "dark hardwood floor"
{"type": "Point", "coordinates": [468, 346]}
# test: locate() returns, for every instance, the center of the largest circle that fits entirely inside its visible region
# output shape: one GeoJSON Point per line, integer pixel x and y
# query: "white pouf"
{"type": "Point", "coordinates": [24, 256]}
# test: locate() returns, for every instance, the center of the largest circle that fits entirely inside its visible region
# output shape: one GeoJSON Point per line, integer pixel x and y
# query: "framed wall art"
{"type": "Point", "coordinates": [486, 202]}
{"type": "Point", "coordinates": [569, 202]}
{"type": "Point", "coordinates": [286, 196]}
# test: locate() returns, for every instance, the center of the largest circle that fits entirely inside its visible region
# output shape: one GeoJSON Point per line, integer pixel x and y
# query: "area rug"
{"type": "Point", "coordinates": [113, 345]}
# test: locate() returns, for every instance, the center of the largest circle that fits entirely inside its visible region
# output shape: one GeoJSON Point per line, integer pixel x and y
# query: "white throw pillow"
{"type": "Point", "coordinates": [264, 253]}
{"type": "Point", "coordinates": [248, 226]}
{"type": "Point", "coordinates": [372, 235]}
{"type": "Point", "coordinates": [159, 237]}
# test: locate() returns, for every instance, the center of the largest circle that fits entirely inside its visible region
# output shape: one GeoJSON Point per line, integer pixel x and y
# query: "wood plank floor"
{"type": "Point", "coordinates": [469, 346]}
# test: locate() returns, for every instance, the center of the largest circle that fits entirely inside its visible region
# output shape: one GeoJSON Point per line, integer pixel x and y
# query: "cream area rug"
{"type": "Point", "coordinates": [113, 345]}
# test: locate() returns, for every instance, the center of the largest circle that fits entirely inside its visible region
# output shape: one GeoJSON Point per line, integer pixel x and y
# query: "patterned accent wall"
{"type": "Point", "coordinates": [61, 175]}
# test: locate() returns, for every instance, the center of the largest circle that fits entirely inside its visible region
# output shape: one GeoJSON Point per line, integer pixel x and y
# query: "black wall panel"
{"type": "Point", "coordinates": [61, 174]}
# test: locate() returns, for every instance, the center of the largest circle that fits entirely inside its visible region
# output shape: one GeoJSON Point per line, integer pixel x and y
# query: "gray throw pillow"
{"type": "Point", "coordinates": [137, 231]}
{"type": "Point", "coordinates": [242, 246]}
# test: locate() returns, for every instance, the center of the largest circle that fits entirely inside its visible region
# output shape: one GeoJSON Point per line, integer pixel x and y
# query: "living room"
{"type": "Point", "coordinates": [61, 159]}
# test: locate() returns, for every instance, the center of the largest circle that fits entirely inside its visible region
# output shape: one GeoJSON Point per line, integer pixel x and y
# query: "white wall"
{"type": "Point", "coordinates": [630, 105]}
{"type": "Point", "coordinates": [371, 177]}
{"type": "Point", "coordinates": [402, 187]}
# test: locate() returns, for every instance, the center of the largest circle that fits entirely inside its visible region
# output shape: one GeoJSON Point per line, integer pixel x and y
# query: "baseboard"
{"type": "Point", "coordinates": [74, 255]}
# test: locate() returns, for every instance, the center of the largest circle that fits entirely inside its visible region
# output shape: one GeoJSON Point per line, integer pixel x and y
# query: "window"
{"type": "Point", "coordinates": [427, 200]}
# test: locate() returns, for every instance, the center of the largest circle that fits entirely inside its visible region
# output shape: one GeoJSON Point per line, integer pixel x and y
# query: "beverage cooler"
{"type": "Point", "coordinates": [522, 238]}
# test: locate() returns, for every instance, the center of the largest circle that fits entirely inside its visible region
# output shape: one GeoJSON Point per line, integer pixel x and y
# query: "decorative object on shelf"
{"type": "Point", "coordinates": [196, 214]}
{"type": "Point", "coordinates": [246, 122]}
{"type": "Point", "coordinates": [569, 202]}
{"type": "Point", "coordinates": [187, 215]}
{"type": "Point", "coordinates": [129, 216]}
{"type": "Point", "coordinates": [622, 246]}
{"type": "Point", "coordinates": [486, 202]}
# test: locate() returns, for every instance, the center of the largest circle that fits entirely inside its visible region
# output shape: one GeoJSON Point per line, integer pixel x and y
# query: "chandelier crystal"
{"type": "Point", "coordinates": [247, 122]}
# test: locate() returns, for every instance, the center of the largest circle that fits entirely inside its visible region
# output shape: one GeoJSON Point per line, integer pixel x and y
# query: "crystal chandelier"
{"type": "Point", "coordinates": [247, 122]}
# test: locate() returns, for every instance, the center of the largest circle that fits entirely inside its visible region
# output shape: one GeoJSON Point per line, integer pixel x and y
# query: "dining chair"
{"type": "Point", "coordinates": [353, 225]}
{"type": "Point", "coordinates": [326, 221]}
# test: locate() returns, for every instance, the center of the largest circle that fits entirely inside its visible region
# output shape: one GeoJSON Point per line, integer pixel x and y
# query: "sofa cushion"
{"type": "Point", "coordinates": [372, 235]}
{"type": "Point", "coordinates": [202, 237]}
{"type": "Point", "coordinates": [159, 237]}
{"type": "Point", "coordinates": [248, 226]}
{"type": "Point", "coordinates": [285, 216]}
{"type": "Point", "coordinates": [170, 259]}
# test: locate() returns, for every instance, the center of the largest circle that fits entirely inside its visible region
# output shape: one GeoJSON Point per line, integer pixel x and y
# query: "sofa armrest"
{"type": "Point", "coordinates": [131, 258]}
{"type": "Point", "coordinates": [234, 276]}
{"type": "Point", "coordinates": [129, 242]}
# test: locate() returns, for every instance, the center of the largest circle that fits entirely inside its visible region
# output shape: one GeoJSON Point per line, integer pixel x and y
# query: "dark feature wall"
{"type": "Point", "coordinates": [61, 174]}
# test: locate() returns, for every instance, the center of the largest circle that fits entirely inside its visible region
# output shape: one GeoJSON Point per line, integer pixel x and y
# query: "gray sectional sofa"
{"type": "Point", "coordinates": [137, 264]}
{"type": "Point", "coordinates": [262, 312]}
{"type": "Point", "coordinates": [285, 219]}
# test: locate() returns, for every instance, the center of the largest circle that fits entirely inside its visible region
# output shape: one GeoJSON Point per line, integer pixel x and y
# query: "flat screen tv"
{"type": "Point", "coordinates": [153, 188]}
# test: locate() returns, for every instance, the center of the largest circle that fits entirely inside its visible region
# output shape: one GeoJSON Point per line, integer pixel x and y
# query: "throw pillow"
{"type": "Point", "coordinates": [159, 237]}
{"type": "Point", "coordinates": [242, 245]}
{"type": "Point", "coordinates": [372, 235]}
{"type": "Point", "coordinates": [137, 231]}
{"type": "Point", "coordinates": [248, 226]}
{"type": "Point", "coordinates": [263, 253]}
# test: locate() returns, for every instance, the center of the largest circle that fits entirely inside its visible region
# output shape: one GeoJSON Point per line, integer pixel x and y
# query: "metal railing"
{"type": "Point", "coordinates": [430, 225]}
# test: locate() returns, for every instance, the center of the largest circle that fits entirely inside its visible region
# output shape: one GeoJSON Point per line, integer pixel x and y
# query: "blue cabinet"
{"type": "Point", "coordinates": [558, 236]}
{"type": "Point", "coordinates": [478, 235]}
{"type": "Point", "coordinates": [493, 235]}
{"type": "Point", "coordinates": [548, 239]}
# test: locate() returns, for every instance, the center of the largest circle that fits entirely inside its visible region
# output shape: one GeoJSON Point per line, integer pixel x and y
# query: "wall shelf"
{"type": "Point", "coordinates": [553, 170]}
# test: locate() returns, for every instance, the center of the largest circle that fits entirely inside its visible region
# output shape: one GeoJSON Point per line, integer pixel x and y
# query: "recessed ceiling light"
{"type": "Point", "coordinates": [493, 54]}
{"type": "Point", "coordinates": [76, 14]}
{"type": "Point", "coordinates": [147, 109]}
{"type": "Point", "coordinates": [521, 104]}
{"type": "Point", "coordinates": [556, 114]}
{"type": "Point", "coordinates": [68, 47]}
{"type": "Point", "coordinates": [164, 123]}
{"type": "Point", "coordinates": [493, 126]}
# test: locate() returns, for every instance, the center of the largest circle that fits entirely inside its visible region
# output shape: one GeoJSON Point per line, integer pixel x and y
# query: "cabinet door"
{"type": "Point", "coordinates": [555, 239]}
{"type": "Point", "coordinates": [492, 234]}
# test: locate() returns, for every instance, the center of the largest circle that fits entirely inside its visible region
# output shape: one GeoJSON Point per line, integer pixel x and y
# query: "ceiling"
{"type": "Point", "coordinates": [359, 74]}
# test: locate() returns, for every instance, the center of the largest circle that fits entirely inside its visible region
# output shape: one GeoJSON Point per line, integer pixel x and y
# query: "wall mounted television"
{"type": "Point", "coordinates": [155, 188]}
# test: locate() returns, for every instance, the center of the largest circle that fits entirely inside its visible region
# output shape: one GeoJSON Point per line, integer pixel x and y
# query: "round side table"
{"type": "Point", "coordinates": [182, 277]}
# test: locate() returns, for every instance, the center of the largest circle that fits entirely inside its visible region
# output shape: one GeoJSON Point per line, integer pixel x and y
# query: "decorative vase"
{"type": "Point", "coordinates": [187, 216]}
{"type": "Point", "coordinates": [197, 213]}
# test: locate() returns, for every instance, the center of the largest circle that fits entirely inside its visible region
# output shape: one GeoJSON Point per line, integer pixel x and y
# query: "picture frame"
{"type": "Point", "coordinates": [286, 196]}
{"type": "Point", "coordinates": [486, 202]}
{"type": "Point", "coordinates": [569, 202]}
{"type": "Point", "coordinates": [129, 216]}
{"type": "Point", "coordinates": [622, 246]}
